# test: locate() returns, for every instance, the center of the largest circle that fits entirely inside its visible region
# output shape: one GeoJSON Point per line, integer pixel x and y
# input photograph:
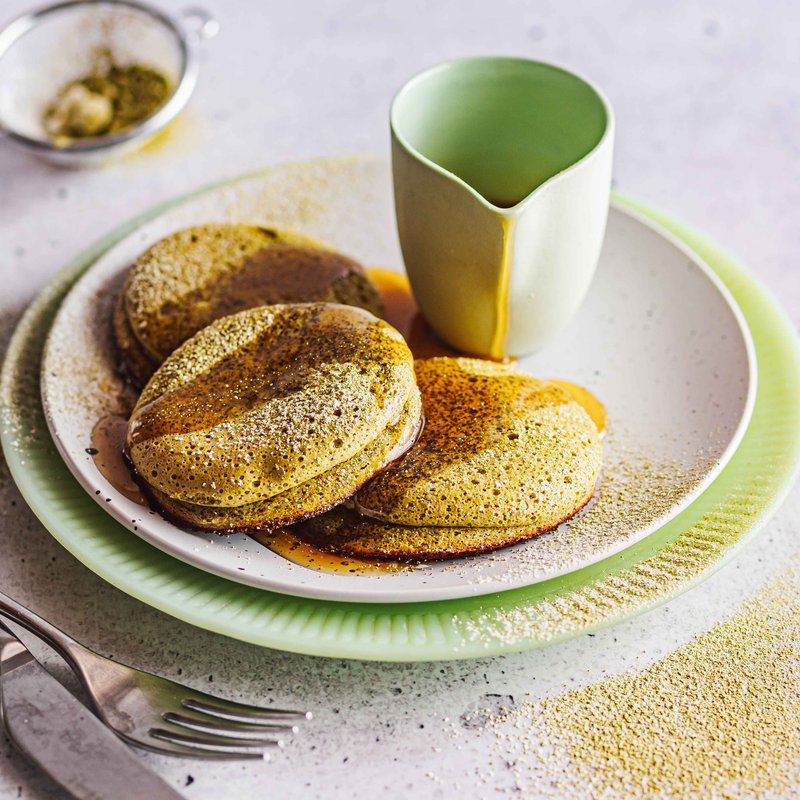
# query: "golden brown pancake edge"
{"type": "Point", "coordinates": [345, 532]}
{"type": "Point", "coordinates": [309, 499]}
{"type": "Point", "coordinates": [135, 363]}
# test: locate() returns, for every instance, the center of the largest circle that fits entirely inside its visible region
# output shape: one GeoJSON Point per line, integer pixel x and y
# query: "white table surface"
{"type": "Point", "coordinates": [708, 117]}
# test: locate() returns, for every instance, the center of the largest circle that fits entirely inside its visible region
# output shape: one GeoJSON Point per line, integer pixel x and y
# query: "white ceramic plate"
{"type": "Point", "coordinates": [659, 340]}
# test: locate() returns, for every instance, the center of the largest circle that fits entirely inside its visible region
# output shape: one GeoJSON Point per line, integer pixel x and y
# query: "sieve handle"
{"type": "Point", "coordinates": [198, 24]}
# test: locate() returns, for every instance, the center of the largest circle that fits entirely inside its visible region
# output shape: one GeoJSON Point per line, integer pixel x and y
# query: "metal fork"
{"type": "Point", "coordinates": [159, 714]}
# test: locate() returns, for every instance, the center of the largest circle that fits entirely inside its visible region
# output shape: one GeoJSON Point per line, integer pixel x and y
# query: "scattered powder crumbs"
{"type": "Point", "coordinates": [21, 417]}
{"type": "Point", "coordinates": [718, 718]}
{"type": "Point", "coordinates": [635, 493]}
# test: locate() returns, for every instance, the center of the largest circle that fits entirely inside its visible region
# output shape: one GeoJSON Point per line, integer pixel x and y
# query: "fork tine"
{"type": "Point", "coordinates": [220, 728]}
{"type": "Point", "coordinates": [216, 744]}
{"type": "Point", "coordinates": [239, 712]}
{"type": "Point", "coordinates": [182, 751]}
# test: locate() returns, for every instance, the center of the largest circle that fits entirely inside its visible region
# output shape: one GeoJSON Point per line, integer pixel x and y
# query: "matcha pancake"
{"type": "Point", "coordinates": [311, 398]}
{"type": "Point", "coordinates": [503, 457]}
{"type": "Point", "coordinates": [197, 275]}
{"type": "Point", "coordinates": [335, 485]}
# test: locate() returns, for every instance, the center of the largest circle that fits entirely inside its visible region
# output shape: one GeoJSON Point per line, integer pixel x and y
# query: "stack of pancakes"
{"type": "Point", "coordinates": [275, 394]}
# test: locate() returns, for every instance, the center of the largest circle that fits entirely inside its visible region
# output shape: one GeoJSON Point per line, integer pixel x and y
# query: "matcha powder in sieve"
{"type": "Point", "coordinates": [109, 100]}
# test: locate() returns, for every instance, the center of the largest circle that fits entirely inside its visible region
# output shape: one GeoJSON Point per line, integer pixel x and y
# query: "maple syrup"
{"type": "Point", "coordinates": [402, 313]}
{"type": "Point", "coordinates": [286, 543]}
{"type": "Point", "coordinates": [108, 453]}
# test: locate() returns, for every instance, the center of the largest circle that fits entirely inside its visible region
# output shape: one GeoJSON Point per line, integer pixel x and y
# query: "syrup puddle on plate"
{"type": "Point", "coordinates": [107, 451]}
{"type": "Point", "coordinates": [402, 313]}
{"type": "Point", "coordinates": [294, 549]}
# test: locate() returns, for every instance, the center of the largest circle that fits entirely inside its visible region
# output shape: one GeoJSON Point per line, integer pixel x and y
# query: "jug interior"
{"type": "Point", "coordinates": [503, 126]}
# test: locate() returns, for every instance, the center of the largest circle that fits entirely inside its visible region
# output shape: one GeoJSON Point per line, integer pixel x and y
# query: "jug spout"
{"type": "Point", "coordinates": [453, 244]}
{"type": "Point", "coordinates": [553, 244]}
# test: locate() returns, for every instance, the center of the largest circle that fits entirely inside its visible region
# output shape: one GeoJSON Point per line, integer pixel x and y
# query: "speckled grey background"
{"type": "Point", "coordinates": [708, 113]}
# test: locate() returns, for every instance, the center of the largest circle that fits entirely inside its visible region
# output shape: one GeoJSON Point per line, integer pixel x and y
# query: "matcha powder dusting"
{"type": "Point", "coordinates": [718, 718]}
{"type": "Point", "coordinates": [111, 99]}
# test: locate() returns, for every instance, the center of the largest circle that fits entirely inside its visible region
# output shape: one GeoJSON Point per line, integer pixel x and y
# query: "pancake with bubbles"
{"type": "Point", "coordinates": [194, 276]}
{"type": "Point", "coordinates": [503, 457]}
{"type": "Point", "coordinates": [274, 414]}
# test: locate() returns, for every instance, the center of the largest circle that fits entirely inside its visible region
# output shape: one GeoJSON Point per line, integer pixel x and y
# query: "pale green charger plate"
{"type": "Point", "coordinates": [673, 559]}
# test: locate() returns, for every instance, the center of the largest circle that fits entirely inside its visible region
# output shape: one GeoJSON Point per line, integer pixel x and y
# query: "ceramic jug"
{"type": "Point", "coordinates": [502, 175]}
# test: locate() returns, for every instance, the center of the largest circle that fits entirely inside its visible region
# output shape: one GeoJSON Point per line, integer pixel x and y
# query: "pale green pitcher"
{"type": "Point", "coordinates": [502, 174]}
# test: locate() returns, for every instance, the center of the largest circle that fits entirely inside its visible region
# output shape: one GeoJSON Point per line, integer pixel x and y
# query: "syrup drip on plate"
{"type": "Point", "coordinates": [402, 313]}
{"type": "Point", "coordinates": [287, 544]}
{"type": "Point", "coordinates": [107, 450]}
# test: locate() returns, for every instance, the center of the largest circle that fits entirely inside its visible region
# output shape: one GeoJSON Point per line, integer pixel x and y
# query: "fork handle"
{"type": "Point", "coordinates": [65, 645]}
